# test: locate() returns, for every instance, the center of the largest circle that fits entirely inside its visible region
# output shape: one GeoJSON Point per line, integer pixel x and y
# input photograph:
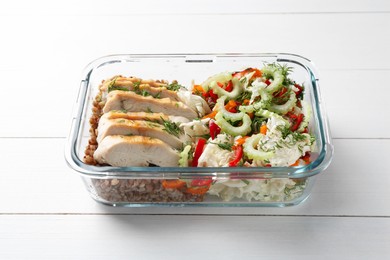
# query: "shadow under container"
{"type": "Point", "coordinates": [149, 186]}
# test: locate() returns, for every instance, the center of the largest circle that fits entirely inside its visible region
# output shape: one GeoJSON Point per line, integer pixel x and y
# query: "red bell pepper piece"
{"type": "Point", "coordinates": [241, 74]}
{"type": "Point", "coordinates": [198, 151]}
{"type": "Point", "coordinates": [237, 156]}
{"type": "Point", "coordinates": [300, 89]}
{"type": "Point", "coordinates": [296, 121]}
{"type": "Point", "coordinates": [212, 95]}
{"type": "Point", "coordinates": [214, 129]}
{"type": "Point", "coordinates": [229, 86]}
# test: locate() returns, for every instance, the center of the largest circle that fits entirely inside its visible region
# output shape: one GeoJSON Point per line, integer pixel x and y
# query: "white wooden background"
{"type": "Point", "coordinates": [45, 211]}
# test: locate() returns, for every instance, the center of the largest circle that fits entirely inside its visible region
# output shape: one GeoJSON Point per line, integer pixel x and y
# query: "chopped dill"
{"type": "Point", "coordinates": [144, 93]}
{"type": "Point", "coordinates": [174, 86]}
{"type": "Point", "coordinates": [136, 86]}
{"type": "Point", "coordinates": [205, 136]}
{"type": "Point", "coordinates": [171, 128]}
{"type": "Point", "coordinates": [112, 87]}
{"type": "Point", "coordinates": [224, 146]}
{"type": "Point", "coordinates": [285, 130]}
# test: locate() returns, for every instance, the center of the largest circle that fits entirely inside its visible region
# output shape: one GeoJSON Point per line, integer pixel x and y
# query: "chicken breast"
{"type": "Point", "coordinates": [131, 102]}
{"type": "Point", "coordinates": [127, 127]}
{"type": "Point", "coordinates": [126, 151]}
{"type": "Point", "coordinates": [150, 82]}
{"type": "Point", "coordinates": [131, 81]}
{"type": "Point", "coordinates": [147, 90]}
{"type": "Point", "coordinates": [116, 114]}
{"type": "Point", "coordinates": [154, 117]}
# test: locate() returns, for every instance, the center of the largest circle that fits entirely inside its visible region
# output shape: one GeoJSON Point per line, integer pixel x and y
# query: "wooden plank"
{"type": "Point", "coordinates": [355, 99]}
{"type": "Point", "coordinates": [122, 7]}
{"type": "Point", "coordinates": [145, 237]}
{"type": "Point", "coordinates": [36, 179]}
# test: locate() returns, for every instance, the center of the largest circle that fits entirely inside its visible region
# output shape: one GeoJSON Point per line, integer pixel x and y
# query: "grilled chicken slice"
{"type": "Point", "coordinates": [122, 126]}
{"type": "Point", "coordinates": [146, 90]}
{"type": "Point", "coordinates": [154, 117]}
{"type": "Point", "coordinates": [131, 102]}
{"type": "Point", "coordinates": [126, 151]}
{"type": "Point", "coordinates": [127, 81]}
{"type": "Point", "coordinates": [150, 82]}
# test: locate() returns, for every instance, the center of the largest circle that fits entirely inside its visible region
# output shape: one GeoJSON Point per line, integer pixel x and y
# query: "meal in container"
{"type": "Point", "coordinates": [255, 117]}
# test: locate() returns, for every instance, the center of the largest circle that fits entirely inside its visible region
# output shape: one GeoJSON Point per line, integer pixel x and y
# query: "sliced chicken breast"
{"type": "Point", "coordinates": [115, 114]}
{"type": "Point", "coordinates": [127, 127]}
{"type": "Point", "coordinates": [147, 90]}
{"type": "Point", "coordinates": [131, 102]}
{"type": "Point", "coordinates": [126, 151]}
{"type": "Point", "coordinates": [131, 80]}
{"type": "Point", "coordinates": [154, 117]}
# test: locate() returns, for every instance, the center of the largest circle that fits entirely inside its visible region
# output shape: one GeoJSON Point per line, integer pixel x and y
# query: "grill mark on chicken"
{"type": "Point", "coordinates": [154, 117]}
{"type": "Point", "coordinates": [147, 90]}
{"type": "Point", "coordinates": [131, 81]}
{"type": "Point", "coordinates": [115, 114]}
{"type": "Point", "coordinates": [122, 126]}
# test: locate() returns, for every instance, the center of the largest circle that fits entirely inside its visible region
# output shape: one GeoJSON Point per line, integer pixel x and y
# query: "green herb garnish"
{"type": "Point", "coordinates": [144, 93]}
{"type": "Point", "coordinates": [298, 136]}
{"type": "Point", "coordinates": [224, 146]}
{"type": "Point", "coordinates": [174, 86]}
{"type": "Point", "coordinates": [205, 136]}
{"type": "Point", "coordinates": [171, 128]}
{"type": "Point", "coordinates": [256, 124]}
{"type": "Point", "coordinates": [112, 86]}
{"type": "Point", "coordinates": [285, 130]}
{"type": "Point", "coordinates": [136, 86]}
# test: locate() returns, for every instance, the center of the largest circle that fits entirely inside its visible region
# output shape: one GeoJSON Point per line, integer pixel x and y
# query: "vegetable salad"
{"type": "Point", "coordinates": [258, 119]}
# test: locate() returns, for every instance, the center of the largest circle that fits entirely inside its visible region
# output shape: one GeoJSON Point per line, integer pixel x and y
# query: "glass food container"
{"type": "Point", "coordinates": [146, 186]}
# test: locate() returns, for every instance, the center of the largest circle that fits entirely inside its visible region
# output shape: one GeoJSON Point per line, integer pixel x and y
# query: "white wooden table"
{"type": "Point", "coordinates": [45, 211]}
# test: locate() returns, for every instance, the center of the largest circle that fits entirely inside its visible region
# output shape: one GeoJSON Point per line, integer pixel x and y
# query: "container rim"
{"type": "Point", "coordinates": [318, 165]}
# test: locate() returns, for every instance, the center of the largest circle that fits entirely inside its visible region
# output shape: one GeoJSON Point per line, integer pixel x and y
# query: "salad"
{"type": "Point", "coordinates": [258, 118]}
